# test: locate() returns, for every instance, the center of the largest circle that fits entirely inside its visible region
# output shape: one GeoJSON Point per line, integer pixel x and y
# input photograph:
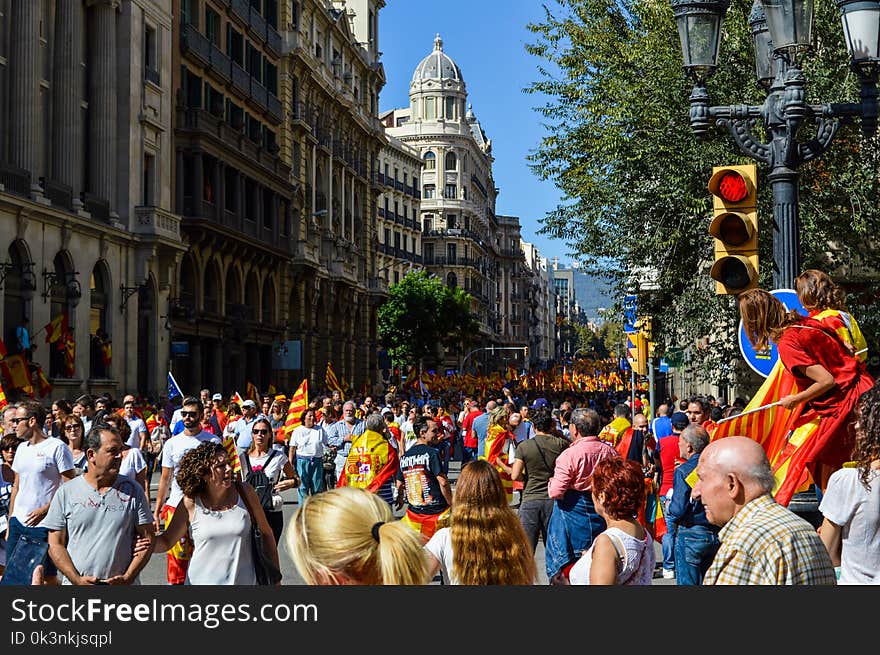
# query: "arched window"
{"type": "Point", "coordinates": [64, 296]}
{"type": "Point", "coordinates": [99, 331]}
{"type": "Point", "coordinates": [430, 161]}
{"type": "Point", "coordinates": [450, 163]}
{"type": "Point", "coordinates": [451, 280]}
{"type": "Point", "coordinates": [18, 289]}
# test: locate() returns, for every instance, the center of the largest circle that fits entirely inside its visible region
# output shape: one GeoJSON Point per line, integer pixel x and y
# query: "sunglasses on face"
{"type": "Point", "coordinates": [259, 431]}
{"type": "Point", "coordinates": [71, 428]}
{"type": "Point", "coordinates": [15, 420]}
{"type": "Point", "coordinates": [189, 413]}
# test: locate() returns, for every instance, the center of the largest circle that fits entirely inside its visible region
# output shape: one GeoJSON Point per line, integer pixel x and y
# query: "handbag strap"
{"type": "Point", "coordinates": [247, 503]}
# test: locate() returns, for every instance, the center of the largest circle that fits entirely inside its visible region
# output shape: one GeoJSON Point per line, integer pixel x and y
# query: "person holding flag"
{"type": "Point", "coordinates": [372, 461]}
{"type": "Point", "coordinates": [813, 399]}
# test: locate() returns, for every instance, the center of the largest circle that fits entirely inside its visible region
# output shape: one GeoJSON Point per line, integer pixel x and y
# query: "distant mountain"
{"type": "Point", "coordinates": [591, 293]}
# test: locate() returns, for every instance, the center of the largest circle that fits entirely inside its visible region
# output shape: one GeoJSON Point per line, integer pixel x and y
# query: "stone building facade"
{"type": "Point", "coordinates": [515, 308]}
{"type": "Point", "coordinates": [85, 208]}
{"type": "Point", "coordinates": [542, 300]}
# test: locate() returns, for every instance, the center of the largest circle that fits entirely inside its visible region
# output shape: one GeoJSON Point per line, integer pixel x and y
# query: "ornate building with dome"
{"type": "Point", "coordinates": [457, 213]}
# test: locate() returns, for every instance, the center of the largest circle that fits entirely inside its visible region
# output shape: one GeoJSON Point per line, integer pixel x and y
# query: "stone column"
{"type": "Point", "coordinates": [179, 182]}
{"type": "Point", "coordinates": [24, 89]}
{"type": "Point", "coordinates": [66, 113]}
{"type": "Point", "coordinates": [102, 101]}
{"type": "Point", "coordinates": [342, 201]}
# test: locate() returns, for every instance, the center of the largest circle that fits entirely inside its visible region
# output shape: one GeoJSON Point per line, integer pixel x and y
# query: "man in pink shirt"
{"type": "Point", "coordinates": [574, 522]}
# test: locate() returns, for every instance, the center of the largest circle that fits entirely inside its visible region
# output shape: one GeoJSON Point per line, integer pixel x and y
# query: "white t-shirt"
{"type": "Point", "coordinates": [309, 442]}
{"type": "Point", "coordinates": [137, 426]}
{"type": "Point", "coordinates": [440, 546]}
{"type": "Point", "coordinates": [175, 448]}
{"type": "Point", "coordinates": [272, 470]}
{"type": "Point", "coordinates": [133, 462]}
{"type": "Point", "coordinates": [849, 504]}
{"type": "Point", "coordinates": [39, 470]}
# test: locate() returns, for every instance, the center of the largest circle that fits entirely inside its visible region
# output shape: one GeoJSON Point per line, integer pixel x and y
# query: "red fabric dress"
{"type": "Point", "coordinates": [805, 344]}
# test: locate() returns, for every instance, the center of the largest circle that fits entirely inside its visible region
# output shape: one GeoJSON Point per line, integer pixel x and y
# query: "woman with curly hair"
{"type": "Point", "coordinates": [485, 543]}
{"type": "Point", "coordinates": [851, 504]}
{"type": "Point", "coordinates": [348, 536]}
{"type": "Point", "coordinates": [217, 511]}
{"type": "Point", "coordinates": [624, 553]}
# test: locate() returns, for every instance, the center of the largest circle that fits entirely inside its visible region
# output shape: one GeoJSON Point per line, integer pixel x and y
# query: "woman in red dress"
{"type": "Point", "coordinates": [830, 379]}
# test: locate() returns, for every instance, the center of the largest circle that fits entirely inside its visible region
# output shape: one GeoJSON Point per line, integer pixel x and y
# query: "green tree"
{"type": "Point", "coordinates": [619, 146]}
{"type": "Point", "coordinates": [422, 313]}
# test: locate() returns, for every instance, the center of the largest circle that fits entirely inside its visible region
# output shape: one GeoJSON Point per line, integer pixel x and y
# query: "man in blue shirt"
{"type": "Point", "coordinates": [696, 540]}
{"type": "Point", "coordinates": [481, 428]}
{"type": "Point", "coordinates": [662, 425]}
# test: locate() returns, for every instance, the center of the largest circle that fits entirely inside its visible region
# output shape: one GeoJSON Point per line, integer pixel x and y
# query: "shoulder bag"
{"type": "Point", "coordinates": [266, 568]}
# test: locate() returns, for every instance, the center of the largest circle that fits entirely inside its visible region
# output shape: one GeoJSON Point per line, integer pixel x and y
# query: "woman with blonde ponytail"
{"type": "Point", "coordinates": [349, 536]}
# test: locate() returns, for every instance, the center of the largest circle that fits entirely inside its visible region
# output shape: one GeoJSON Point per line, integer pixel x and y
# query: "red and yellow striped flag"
{"type": "Point", "coordinates": [237, 399]}
{"type": "Point", "coordinates": [234, 461]}
{"type": "Point", "coordinates": [56, 328]}
{"type": "Point", "coordinates": [251, 392]}
{"type": "Point", "coordinates": [3, 402]}
{"type": "Point", "coordinates": [298, 403]}
{"type": "Point", "coordinates": [331, 381]}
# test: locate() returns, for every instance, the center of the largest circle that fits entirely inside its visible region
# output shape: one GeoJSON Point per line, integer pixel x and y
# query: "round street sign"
{"type": "Point", "coordinates": [763, 361]}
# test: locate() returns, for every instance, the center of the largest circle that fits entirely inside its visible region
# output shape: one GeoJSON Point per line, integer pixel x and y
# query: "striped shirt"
{"type": "Point", "coordinates": [766, 544]}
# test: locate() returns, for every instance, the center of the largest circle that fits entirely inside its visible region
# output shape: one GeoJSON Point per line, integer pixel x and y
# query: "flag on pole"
{"type": "Point", "coordinates": [44, 387]}
{"type": "Point", "coordinates": [271, 390]}
{"type": "Point", "coordinates": [237, 399]}
{"type": "Point", "coordinates": [56, 328]}
{"type": "Point", "coordinates": [251, 392]}
{"type": "Point", "coordinates": [68, 347]}
{"type": "Point", "coordinates": [173, 387]}
{"type": "Point", "coordinates": [423, 388]}
{"type": "Point", "coordinates": [234, 460]}
{"type": "Point", "coordinates": [331, 381]}
{"type": "Point", "coordinates": [298, 403]}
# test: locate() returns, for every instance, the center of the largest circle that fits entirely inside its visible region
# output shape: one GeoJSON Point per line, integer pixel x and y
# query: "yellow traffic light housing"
{"type": "Point", "coordinates": [734, 227]}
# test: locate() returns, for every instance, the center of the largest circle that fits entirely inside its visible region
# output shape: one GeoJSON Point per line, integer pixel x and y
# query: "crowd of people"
{"type": "Point", "coordinates": [598, 478]}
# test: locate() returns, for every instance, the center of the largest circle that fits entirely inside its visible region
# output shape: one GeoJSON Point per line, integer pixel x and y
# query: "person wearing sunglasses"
{"type": "Point", "coordinates": [169, 493]}
{"type": "Point", "coordinates": [263, 457]}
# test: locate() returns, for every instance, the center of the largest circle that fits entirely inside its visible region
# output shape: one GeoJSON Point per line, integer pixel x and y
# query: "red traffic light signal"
{"type": "Point", "coordinates": [734, 227]}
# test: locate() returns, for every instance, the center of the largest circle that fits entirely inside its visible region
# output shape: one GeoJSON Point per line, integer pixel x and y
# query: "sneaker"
{"type": "Point", "coordinates": [668, 574]}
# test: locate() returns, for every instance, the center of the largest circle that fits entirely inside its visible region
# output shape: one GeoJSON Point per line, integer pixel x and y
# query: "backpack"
{"type": "Point", "coordinates": [261, 482]}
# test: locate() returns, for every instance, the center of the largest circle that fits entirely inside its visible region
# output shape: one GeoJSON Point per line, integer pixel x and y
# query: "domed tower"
{"type": "Point", "coordinates": [437, 91]}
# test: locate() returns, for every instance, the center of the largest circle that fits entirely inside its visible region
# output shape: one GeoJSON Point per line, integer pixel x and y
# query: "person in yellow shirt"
{"type": "Point", "coordinates": [614, 430]}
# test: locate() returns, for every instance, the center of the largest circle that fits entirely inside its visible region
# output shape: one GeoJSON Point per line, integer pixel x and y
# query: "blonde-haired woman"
{"type": "Point", "coordinates": [499, 441]}
{"type": "Point", "coordinates": [485, 543]}
{"type": "Point", "coordinates": [348, 536]}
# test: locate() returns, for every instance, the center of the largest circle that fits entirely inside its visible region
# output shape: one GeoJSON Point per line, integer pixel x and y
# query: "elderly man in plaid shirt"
{"type": "Point", "coordinates": [762, 542]}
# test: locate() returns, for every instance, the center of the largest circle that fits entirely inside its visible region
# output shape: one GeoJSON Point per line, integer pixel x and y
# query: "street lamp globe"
{"type": "Point", "coordinates": [699, 28]}
{"type": "Point", "coordinates": [763, 46]}
{"type": "Point", "coordinates": [861, 28]}
{"type": "Point", "coordinates": [790, 23]}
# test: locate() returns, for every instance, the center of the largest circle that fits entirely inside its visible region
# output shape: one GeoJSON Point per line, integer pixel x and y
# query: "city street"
{"type": "Point", "coordinates": [154, 572]}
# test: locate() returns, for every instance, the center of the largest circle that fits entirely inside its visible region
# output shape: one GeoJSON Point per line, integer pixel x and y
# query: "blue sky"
{"type": "Point", "coordinates": [486, 38]}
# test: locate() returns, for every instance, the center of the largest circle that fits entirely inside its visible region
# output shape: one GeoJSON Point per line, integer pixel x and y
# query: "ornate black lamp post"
{"type": "Point", "coordinates": [781, 31]}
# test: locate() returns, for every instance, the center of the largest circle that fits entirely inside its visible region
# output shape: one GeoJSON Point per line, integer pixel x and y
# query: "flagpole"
{"type": "Point", "coordinates": [750, 411]}
{"type": "Point", "coordinates": [171, 375]}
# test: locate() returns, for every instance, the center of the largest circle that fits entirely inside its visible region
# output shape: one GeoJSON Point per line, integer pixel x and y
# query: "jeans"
{"type": "Point", "coordinates": [573, 526]}
{"type": "Point", "coordinates": [311, 476]}
{"type": "Point", "coordinates": [695, 547]}
{"type": "Point", "coordinates": [468, 455]}
{"type": "Point", "coordinates": [668, 541]}
{"type": "Point", "coordinates": [535, 518]}
{"type": "Point", "coordinates": [17, 528]}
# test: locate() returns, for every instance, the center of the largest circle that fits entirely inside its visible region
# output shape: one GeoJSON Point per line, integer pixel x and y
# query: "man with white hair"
{"type": "Point", "coordinates": [762, 542]}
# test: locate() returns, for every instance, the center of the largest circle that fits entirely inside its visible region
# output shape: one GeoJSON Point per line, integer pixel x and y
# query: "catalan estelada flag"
{"type": "Point", "coordinates": [56, 328]}
{"type": "Point", "coordinates": [298, 403]}
{"type": "Point", "coordinates": [331, 381]}
{"type": "Point", "coordinates": [371, 462]}
{"type": "Point", "coordinates": [234, 461]}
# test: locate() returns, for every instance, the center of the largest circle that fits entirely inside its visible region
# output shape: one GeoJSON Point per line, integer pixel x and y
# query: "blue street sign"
{"type": "Point", "coordinates": [629, 314]}
{"type": "Point", "coordinates": [762, 362]}
{"type": "Point", "coordinates": [664, 366]}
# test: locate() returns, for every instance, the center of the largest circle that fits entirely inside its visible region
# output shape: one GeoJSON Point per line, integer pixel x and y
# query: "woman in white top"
{"type": "Point", "coordinates": [624, 553]}
{"type": "Point", "coordinates": [851, 503]}
{"type": "Point", "coordinates": [218, 519]}
{"type": "Point", "coordinates": [261, 456]}
{"type": "Point", "coordinates": [307, 444]}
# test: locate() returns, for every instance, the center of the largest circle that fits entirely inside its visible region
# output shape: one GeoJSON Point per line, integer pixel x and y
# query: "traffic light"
{"type": "Point", "coordinates": [735, 228]}
{"type": "Point", "coordinates": [637, 347]}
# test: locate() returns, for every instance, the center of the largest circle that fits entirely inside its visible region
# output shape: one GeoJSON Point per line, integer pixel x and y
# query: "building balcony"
{"type": "Point", "coordinates": [195, 45]}
{"type": "Point", "coordinates": [307, 254]}
{"type": "Point", "coordinates": [59, 194]}
{"type": "Point", "coordinates": [221, 65]}
{"type": "Point", "coordinates": [290, 42]}
{"type": "Point", "coordinates": [15, 180]}
{"type": "Point", "coordinates": [157, 222]}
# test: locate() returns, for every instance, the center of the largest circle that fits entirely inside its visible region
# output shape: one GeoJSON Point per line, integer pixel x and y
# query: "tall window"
{"type": "Point", "coordinates": [151, 63]}
{"type": "Point", "coordinates": [427, 222]}
{"type": "Point", "coordinates": [98, 285]}
{"type": "Point", "coordinates": [451, 251]}
{"type": "Point", "coordinates": [429, 190]}
{"type": "Point", "coordinates": [428, 251]}
{"type": "Point", "coordinates": [430, 161]}
{"type": "Point", "coordinates": [450, 107]}
{"type": "Point", "coordinates": [450, 162]}
{"type": "Point", "coordinates": [234, 45]}
{"type": "Point", "coordinates": [212, 26]}
{"type": "Point", "coordinates": [450, 191]}
{"type": "Point", "coordinates": [430, 106]}
{"type": "Point", "coordinates": [451, 281]}
{"type": "Point", "coordinates": [149, 173]}
{"type": "Point", "coordinates": [451, 221]}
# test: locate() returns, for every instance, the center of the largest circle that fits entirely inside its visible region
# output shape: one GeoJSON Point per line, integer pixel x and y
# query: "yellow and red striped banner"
{"type": "Point", "coordinates": [234, 461]}
{"type": "Point", "coordinates": [298, 403]}
{"type": "Point", "coordinates": [331, 381]}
